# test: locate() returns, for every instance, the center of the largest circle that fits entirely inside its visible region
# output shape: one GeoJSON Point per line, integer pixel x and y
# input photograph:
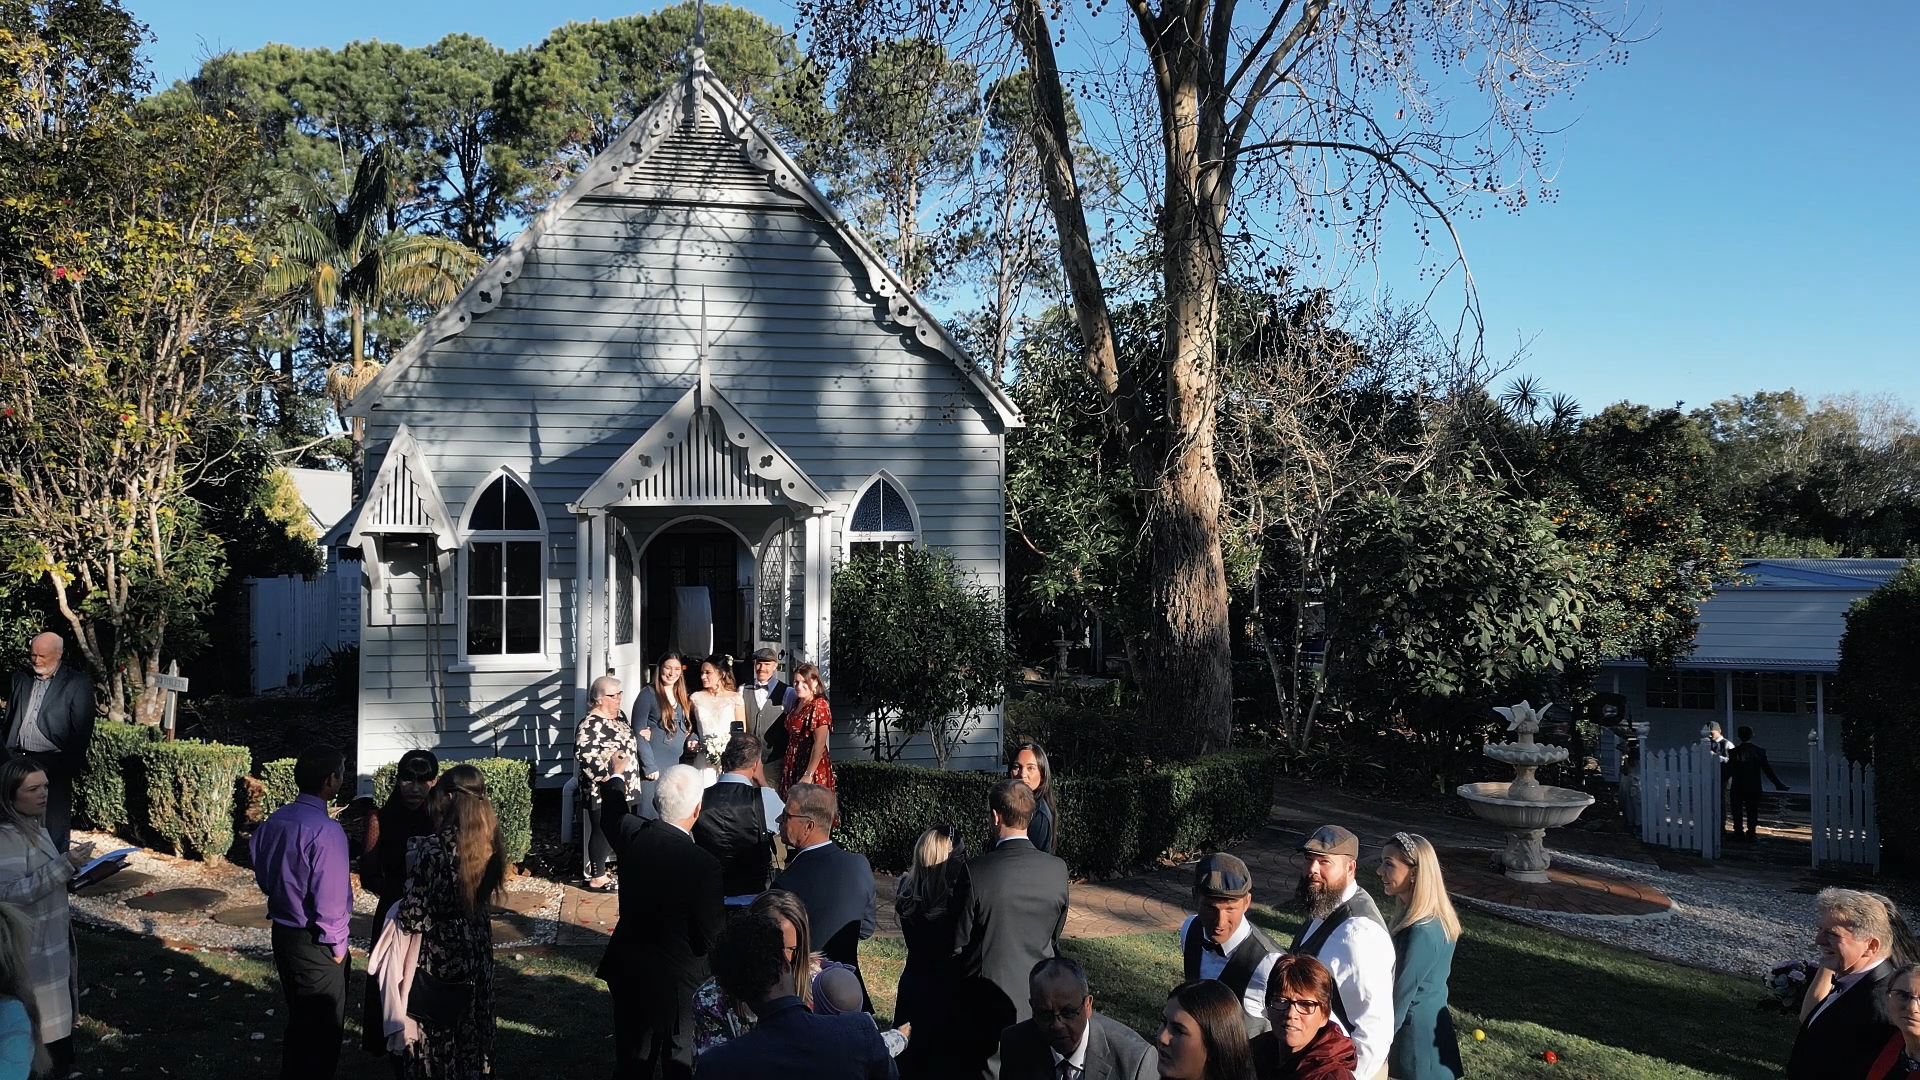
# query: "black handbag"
{"type": "Point", "coordinates": [437, 1001]}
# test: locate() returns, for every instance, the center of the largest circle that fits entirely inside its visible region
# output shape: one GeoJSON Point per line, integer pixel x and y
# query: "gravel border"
{"type": "Point", "coordinates": [1735, 927]}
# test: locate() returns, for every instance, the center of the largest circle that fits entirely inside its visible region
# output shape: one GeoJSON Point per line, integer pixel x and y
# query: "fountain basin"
{"type": "Point", "coordinates": [1531, 754]}
{"type": "Point", "coordinates": [1555, 806]}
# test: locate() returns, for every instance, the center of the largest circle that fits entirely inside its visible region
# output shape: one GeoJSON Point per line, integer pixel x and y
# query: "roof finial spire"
{"type": "Point", "coordinates": [700, 24]}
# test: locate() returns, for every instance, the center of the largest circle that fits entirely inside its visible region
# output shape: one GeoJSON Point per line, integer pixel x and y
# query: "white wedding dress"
{"type": "Point", "coordinates": [713, 717]}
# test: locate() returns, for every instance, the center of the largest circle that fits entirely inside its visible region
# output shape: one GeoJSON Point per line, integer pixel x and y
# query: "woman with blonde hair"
{"type": "Point", "coordinates": [1425, 929]}
{"type": "Point", "coordinates": [456, 874]}
{"type": "Point", "coordinates": [21, 1053]}
{"type": "Point", "coordinates": [927, 999]}
{"type": "Point", "coordinates": [34, 876]}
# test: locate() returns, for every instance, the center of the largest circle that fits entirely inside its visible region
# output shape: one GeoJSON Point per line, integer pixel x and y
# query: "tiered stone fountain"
{"type": "Point", "coordinates": [1525, 807]}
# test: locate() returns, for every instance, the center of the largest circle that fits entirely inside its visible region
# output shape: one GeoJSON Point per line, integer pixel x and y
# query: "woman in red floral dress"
{"type": "Point", "coordinates": [809, 724]}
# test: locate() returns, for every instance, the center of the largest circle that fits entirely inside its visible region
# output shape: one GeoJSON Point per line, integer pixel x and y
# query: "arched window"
{"type": "Point", "coordinates": [504, 573]}
{"type": "Point", "coordinates": [882, 517]}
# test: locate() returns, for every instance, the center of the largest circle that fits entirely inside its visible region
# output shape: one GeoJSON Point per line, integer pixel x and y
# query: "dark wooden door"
{"type": "Point", "coordinates": [680, 558]}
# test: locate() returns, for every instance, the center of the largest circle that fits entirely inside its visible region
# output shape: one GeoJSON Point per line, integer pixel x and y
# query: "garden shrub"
{"type": "Point", "coordinates": [1087, 734]}
{"type": "Point", "coordinates": [281, 789]}
{"type": "Point", "coordinates": [1107, 824]}
{"type": "Point", "coordinates": [509, 786]}
{"type": "Point", "coordinates": [1878, 688]}
{"type": "Point", "coordinates": [100, 795]}
{"type": "Point", "coordinates": [191, 791]}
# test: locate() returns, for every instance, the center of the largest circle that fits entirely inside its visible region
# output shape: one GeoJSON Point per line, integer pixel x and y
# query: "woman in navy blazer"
{"type": "Point", "coordinates": [1425, 929]}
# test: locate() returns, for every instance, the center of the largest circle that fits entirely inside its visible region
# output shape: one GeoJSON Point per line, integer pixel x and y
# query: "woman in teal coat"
{"type": "Point", "coordinates": [1424, 931]}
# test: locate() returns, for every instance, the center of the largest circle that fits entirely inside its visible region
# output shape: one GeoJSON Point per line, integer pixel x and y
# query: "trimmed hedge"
{"type": "Point", "coordinates": [509, 786]}
{"type": "Point", "coordinates": [100, 794]}
{"type": "Point", "coordinates": [1107, 825]}
{"type": "Point", "coordinates": [192, 789]}
{"type": "Point", "coordinates": [277, 777]}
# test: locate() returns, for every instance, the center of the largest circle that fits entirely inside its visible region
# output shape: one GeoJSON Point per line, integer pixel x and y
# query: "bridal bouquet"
{"type": "Point", "coordinates": [1787, 982]}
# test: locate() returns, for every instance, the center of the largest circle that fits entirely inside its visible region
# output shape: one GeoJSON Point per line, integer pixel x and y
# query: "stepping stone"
{"type": "Point", "coordinates": [246, 917]}
{"type": "Point", "coordinates": [511, 930]}
{"type": "Point", "coordinates": [124, 881]}
{"type": "Point", "coordinates": [176, 901]}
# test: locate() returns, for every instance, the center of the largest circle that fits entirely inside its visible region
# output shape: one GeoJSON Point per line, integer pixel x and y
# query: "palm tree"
{"type": "Point", "coordinates": [332, 255]}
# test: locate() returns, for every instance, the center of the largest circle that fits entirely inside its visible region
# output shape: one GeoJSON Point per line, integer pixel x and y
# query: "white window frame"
{"type": "Point", "coordinates": [849, 537]}
{"type": "Point", "coordinates": [541, 661]}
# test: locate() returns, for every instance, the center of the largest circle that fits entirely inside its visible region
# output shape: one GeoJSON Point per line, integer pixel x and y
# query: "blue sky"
{"type": "Point", "coordinates": [1739, 204]}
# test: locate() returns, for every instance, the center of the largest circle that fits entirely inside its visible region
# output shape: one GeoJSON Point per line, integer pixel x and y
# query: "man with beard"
{"type": "Point", "coordinates": [1345, 932]}
{"type": "Point", "coordinates": [1218, 942]}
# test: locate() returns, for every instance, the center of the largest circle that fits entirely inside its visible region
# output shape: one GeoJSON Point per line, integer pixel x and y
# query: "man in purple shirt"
{"type": "Point", "coordinates": [300, 862]}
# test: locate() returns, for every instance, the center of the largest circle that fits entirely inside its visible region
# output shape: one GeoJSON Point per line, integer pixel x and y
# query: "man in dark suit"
{"type": "Point", "coordinates": [765, 696]}
{"type": "Point", "coordinates": [835, 884]}
{"type": "Point", "coordinates": [1010, 920]}
{"type": "Point", "coordinates": [657, 957]}
{"type": "Point", "coordinates": [1746, 763]}
{"type": "Point", "coordinates": [753, 965]}
{"type": "Point", "coordinates": [1842, 1032]}
{"type": "Point", "coordinates": [50, 719]}
{"type": "Point", "coordinates": [1064, 1029]}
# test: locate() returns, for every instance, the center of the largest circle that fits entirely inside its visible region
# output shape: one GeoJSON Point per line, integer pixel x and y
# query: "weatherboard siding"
{"type": "Point", "coordinates": [593, 343]}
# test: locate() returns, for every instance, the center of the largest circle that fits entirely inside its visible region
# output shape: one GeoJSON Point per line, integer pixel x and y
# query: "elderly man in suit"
{"type": "Point", "coordinates": [1841, 1028]}
{"type": "Point", "coordinates": [835, 884]}
{"type": "Point", "coordinates": [1010, 920]}
{"type": "Point", "coordinates": [788, 1041]}
{"type": "Point", "coordinates": [50, 719]}
{"type": "Point", "coordinates": [657, 956]}
{"type": "Point", "coordinates": [1065, 1031]}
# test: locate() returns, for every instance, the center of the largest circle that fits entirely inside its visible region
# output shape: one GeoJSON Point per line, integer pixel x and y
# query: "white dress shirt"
{"type": "Point", "coordinates": [1212, 963]}
{"type": "Point", "coordinates": [1079, 1057]}
{"type": "Point", "coordinates": [1360, 955]}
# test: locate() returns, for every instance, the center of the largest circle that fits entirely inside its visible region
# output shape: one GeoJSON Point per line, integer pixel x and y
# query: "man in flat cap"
{"type": "Point", "coordinates": [767, 699]}
{"type": "Point", "coordinates": [1218, 942]}
{"type": "Point", "coordinates": [1345, 932]}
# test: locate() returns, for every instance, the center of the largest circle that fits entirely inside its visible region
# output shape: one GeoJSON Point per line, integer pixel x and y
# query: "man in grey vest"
{"type": "Point", "coordinates": [1218, 942]}
{"type": "Point", "coordinates": [1345, 932]}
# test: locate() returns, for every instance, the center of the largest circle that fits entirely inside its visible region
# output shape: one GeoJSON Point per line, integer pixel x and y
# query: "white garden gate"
{"type": "Point", "coordinates": [1844, 827]}
{"type": "Point", "coordinates": [297, 620]}
{"type": "Point", "coordinates": [1680, 799]}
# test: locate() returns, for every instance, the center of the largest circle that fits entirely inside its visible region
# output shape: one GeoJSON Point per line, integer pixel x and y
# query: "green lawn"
{"type": "Point", "coordinates": [1605, 1012]}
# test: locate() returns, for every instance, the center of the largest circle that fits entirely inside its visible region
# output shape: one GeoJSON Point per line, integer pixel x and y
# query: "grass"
{"type": "Point", "coordinates": [1609, 1014]}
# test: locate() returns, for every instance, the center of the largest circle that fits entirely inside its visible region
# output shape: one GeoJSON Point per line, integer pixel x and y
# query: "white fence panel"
{"type": "Point", "coordinates": [296, 620]}
{"type": "Point", "coordinates": [1680, 799]}
{"type": "Point", "coordinates": [1844, 827]}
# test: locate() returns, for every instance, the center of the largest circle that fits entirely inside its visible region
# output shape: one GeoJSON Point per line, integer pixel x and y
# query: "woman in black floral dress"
{"type": "Point", "coordinates": [458, 870]}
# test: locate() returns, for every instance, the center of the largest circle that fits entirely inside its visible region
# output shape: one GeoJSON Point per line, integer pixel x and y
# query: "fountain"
{"type": "Point", "coordinates": [1525, 807]}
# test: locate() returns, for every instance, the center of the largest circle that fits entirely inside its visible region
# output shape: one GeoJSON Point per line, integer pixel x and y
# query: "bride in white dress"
{"type": "Point", "coordinates": [716, 708]}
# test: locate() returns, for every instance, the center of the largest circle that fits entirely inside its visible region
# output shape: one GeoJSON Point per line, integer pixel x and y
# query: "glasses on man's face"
{"type": "Point", "coordinates": [1303, 1006]}
{"type": "Point", "coordinates": [1049, 1016]}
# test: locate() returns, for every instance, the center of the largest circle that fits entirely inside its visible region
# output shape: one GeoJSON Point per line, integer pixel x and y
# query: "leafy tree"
{"type": "Point", "coordinates": [919, 645]}
{"type": "Point", "coordinates": [907, 124]}
{"type": "Point", "coordinates": [1289, 121]}
{"type": "Point", "coordinates": [1879, 687]}
{"type": "Point", "coordinates": [569, 97]}
{"type": "Point", "coordinates": [1454, 590]}
{"type": "Point", "coordinates": [127, 274]}
{"type": "Point", "coordinates": [340, 255]}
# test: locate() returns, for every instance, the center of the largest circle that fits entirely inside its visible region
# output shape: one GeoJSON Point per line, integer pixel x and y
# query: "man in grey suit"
{"type": "Point", "coordinates": [1065, 1031]}
{"type": "Point", "coordinates": [1014, 911]}
{"type": "Point", "coordinates": [50, 719]}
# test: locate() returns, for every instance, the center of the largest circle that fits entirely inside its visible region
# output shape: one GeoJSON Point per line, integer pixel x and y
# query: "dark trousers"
{"type": "Point", "coordinates": [315, 986]}
{"type": "Point", "coordinates": [640, 1051]}
{"type": "Point", "coordinates": [1746, 804]}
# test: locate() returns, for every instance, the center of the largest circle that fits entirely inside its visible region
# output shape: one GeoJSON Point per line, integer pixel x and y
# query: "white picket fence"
{"type": "Point", "coordinates": [296, 620]}
{"type": "Point", "coordinates": [1844, 827]}
{"type": "Point", "coordinates": [1680, 799]}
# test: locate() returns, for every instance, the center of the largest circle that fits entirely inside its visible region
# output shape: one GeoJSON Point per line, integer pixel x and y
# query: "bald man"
{"type": "Point", "coordinates": [50, 719]}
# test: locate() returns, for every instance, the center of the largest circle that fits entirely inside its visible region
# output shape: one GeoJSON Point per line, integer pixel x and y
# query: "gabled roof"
{"type": "Point", "coordinates": [629, 168]}
{"type": "Point", "coordinates": [703, 451]}
{"type": "Point", "coordinates": [403, 499]}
